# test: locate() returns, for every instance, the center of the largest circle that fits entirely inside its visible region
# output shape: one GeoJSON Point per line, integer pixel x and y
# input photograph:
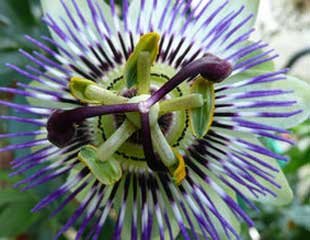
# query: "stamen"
{"type": "Point", "coordinates": [209, 67]}
{"type": "Point", "coordinates": [180, 104]}
{"type": "Point", "coordinates": [171, 158]}
{"type": "Point", "coordinates": [90, 92]}
{"type": "Point", "coordinates": [162, 147]}
{"type": "Point", "coordinates": [179, 173]}
{"type": "Point", "coordinates": [60, 126]}
{"type": "Point", "coordinates": [104, 96]}
{"type": "Point", "coordinates": [148, 145]}
{"type": "Point", "coordinates": [144, 73]}
{"type": "Point", "coordinates": [147, 43]}
{"type": "Point", "coordinates": [109, 147]}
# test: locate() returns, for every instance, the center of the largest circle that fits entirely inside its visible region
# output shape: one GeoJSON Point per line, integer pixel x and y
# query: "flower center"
{"type": "Point", "coordinates": [141, 113]}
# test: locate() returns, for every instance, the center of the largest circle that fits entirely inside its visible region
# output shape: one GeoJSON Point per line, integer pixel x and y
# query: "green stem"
{"type": "Point", "coordinates": [109, 147]}
{"type": "Point", "coordinates": [182, 103]}
{"type": "Point", "coordinates": [144, 72]}
{"type": "Point", "coordinates": [162, 147]}
{"type": "Point", "coordinates": [94, 92]}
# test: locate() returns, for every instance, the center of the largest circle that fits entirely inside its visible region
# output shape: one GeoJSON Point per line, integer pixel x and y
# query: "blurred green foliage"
{"type": "Point", "coordinates": [17, 18]}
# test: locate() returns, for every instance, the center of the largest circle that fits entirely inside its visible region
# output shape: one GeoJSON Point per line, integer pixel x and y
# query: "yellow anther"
{"type": "Point", "coordinates": [179, 173]}
{"type": "Point", "coordinates": [88, 91]}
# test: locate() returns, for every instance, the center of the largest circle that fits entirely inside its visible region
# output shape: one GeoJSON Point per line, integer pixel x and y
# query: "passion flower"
{"type": "Point", "coordinates": [155, 112]}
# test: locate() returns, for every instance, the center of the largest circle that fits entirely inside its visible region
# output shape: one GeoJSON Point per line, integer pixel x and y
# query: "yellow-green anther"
{"type": "Point", "coordinates": [144, 72]}
{"type": "Point", "coordinates": [108, 172]}
{"type": "Point", "coordinates": [179, 171]}
{"type": "Point", "coordinates": [114, 142]}
{"type": "Point", "coordinates": [201, 118]}
{"type": "Point", "coordinates": [162, 147]}
{"type": "Point", "coordinates": [182, 103]}
{"type": "Point", "coordinates": [147, 43]}
{"type": "Point", "coordinates": [90, 92]}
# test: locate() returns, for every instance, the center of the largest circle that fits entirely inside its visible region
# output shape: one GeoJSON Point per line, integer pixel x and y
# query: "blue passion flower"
{"type": "Point", "coordinates": [154, 111]}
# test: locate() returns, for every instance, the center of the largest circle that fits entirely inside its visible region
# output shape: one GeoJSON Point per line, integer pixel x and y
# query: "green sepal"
{"type": "Point", "coordinates": [108, 172]}
{"type": "Point", "coordinates": [201, 118]}
{"type": "Point", "coordinates": [147, 43]}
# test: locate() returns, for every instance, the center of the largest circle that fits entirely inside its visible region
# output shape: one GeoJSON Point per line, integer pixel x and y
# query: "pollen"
{"type": "Point", "coordinates": [180, 173]}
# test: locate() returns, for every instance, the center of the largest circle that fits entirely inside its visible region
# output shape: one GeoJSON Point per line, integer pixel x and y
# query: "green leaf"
{"type": "Point", "coordinates": [9, 196]}
{"type": "Point", "coordinates": [107, 172]}
{"type": "Point", "coordinates": [16, 219]}
{"type": "Point", "coordinates": [148, 43]}
{"type": "Point", "coordinates": [4, 176]}
{"type": "Point", "coordinates": [201, 118]}
{"type": "Point", "coordinates": [17, 18]}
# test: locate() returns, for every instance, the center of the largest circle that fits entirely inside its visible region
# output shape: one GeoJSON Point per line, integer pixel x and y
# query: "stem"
{"type": "Point", "coordinates": [162, 147]}
{"type": "Point", "coordinates": [210, 67]}
{"type": "Point", "coordinates": [94, 92]}
{"type": "Point", "coordinates": [108, 148]}
{"type": "Point", "coordinates": [144, 73]}
{"type": "Point", "coordinates": [148, 145]}
{"type": "Point", "coordinates": [182, 103]}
